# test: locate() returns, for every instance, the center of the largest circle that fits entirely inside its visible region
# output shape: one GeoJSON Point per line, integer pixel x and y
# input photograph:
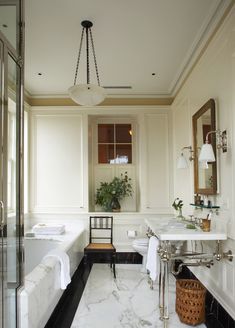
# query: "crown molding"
{"type": "Point", "coordinates": [210, 27]}
{"type": "Point", "coordinates": [32, 101]}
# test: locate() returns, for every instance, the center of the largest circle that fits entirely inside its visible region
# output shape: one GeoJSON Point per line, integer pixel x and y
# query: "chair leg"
{"type": "Point", "coordinates": [114, 261]}
{"type": "Point", "coordinates": [85, 258]}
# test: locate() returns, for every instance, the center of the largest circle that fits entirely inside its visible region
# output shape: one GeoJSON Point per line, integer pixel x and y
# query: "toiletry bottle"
{"type": "Point", "coordinates": [197, 199]}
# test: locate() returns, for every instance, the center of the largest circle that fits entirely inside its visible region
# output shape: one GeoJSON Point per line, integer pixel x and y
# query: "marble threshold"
{"type": "Point", "coordinates": [127, 301]}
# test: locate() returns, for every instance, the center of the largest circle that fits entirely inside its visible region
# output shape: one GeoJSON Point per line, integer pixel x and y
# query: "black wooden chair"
{"type": "Point", "coordinates": [101, 240]}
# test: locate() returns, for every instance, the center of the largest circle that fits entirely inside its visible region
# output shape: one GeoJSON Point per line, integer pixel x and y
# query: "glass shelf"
{"type": "Point", "coordinates": [205, 206]}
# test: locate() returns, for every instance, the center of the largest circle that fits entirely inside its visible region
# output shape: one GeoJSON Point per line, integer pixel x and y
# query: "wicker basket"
{"type": "Point", "coordinates": [190, 301]}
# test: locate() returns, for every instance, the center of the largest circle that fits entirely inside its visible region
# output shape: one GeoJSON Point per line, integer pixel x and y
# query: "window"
{"type": "Point", "coordinates": [114, 143]}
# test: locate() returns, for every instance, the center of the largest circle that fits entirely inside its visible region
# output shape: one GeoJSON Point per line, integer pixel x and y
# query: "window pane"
{"type": "Point", "coordinates": [105, 133]}
{"type": "Point", "coordinates": [124, 153]}
{"type": "Point", "coordinates": [123, 133]}
{"type": "Point", "coordinates": [105, 153]}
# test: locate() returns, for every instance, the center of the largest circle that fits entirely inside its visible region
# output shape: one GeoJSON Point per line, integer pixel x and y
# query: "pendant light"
{"type": "Point", "coordinates": [87, 94]}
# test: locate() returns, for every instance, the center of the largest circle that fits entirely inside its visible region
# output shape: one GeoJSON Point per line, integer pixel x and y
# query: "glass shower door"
{"type": "Point", "coordinates": [13, 186]}
{"type": "Point", "coordinates": [2, 280]}
{"type": "Point", "coordinates": [11, 222]}
{"type": "Point", "coordinates": [11, 158]}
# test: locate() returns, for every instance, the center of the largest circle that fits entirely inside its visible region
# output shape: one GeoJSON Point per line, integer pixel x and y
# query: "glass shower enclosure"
{"type": "Point", "coordinates": [11, 158]}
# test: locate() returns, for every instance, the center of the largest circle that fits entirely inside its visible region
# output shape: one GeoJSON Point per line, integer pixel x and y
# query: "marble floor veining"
{"type": "Point", "coordinates": [125, 302]}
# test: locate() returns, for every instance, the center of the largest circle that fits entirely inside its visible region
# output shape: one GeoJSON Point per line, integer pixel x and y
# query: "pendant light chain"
{"type": "Point", "coordinates": [93, 49]}
{"type": "Point", "coordinates": [79, 55]}
{"type": "Point", "coordinates": [87, 94]}
{"type": "Point", "coordinates": [87, 57]}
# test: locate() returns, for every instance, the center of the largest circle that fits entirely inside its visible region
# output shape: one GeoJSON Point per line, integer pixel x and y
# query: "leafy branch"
{"type": "Point", "coordinates": [118, 188]}
{"type": "Point", "coordinates": [177, 204]}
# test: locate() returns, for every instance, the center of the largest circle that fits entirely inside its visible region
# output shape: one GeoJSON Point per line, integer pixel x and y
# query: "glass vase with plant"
{"type": "Point", "coordinates": [178, 204]}
{"type": "Point", "coordinates": [109, 194]}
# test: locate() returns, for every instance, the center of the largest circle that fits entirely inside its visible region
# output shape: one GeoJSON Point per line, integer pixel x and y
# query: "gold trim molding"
{"type": "Point", "coordinates": [106, 102]}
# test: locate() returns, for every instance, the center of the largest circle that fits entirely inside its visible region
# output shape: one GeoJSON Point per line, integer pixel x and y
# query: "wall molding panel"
{"type": "Point", "coordinates": [57, 146]}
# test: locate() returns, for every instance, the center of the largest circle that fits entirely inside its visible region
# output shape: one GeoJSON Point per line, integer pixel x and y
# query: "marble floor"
{"type": "Point", "coordinates": [127, 302]}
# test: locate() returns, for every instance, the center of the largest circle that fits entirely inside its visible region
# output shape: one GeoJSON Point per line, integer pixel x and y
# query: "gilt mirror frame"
{"type": "Point", "coordinates": [207, 108]}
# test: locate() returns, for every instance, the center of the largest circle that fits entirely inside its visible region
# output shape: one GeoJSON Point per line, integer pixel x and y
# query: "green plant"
{"type": "Point", "coordinates": [177, 204]}
{"type": "Point", "coordinates": [118, 188]}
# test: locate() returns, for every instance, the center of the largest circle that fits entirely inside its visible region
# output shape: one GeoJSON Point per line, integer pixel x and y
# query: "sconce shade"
{"type": "Point", "coordinates": [87, 94]}
{"type": "Point", "coordinates": [182, 163]}
{"type": "Point", "coordinates": [206, 153]}
{"type": "Point", "coordinates": [204, 165]}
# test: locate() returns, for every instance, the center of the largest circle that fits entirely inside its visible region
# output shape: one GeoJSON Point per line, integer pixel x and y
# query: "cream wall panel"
{"type": "Point", "coordinates": [156, 191]}
{"type": "Point", "coordinates": [57, 168]}
{"type": "Point", "coordinates": [182, 137]}
{"type": "Point", "coordinates": [43, 192]}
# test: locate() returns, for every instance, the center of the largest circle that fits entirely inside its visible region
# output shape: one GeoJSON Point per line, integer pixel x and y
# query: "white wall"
{"type": "Point", "coordinates": [213, 77]}
{"type": "Point", "coordinates": [59, 162]}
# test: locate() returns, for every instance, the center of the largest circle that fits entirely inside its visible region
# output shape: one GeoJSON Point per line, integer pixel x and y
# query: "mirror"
{"type": "Point", "coordinates": [205, 180]}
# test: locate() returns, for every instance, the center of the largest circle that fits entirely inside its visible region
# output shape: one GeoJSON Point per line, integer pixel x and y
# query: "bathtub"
{"type": "Point", "coordinates": [41, 291]}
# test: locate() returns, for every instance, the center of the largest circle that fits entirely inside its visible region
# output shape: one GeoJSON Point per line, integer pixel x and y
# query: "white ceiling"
{"type": "Point", "coordinates": [133, 39]}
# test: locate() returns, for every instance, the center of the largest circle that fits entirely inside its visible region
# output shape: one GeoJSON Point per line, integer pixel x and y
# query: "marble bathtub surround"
{"type": "Point", "coordinates": [125, 302]}
{"type": "Point", "coordinates": [42, 289]}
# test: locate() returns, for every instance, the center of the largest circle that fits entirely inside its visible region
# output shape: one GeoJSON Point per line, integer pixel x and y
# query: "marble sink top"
{"type": "Point", "coordinates": [170, 229]}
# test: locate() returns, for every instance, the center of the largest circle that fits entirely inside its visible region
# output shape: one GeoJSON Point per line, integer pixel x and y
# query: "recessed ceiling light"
{"type": "Point", "coordinates": [40, 74]}
{"type": "Point", "coordinates": [153, 74]}
{"type": "Point", "coordinates": [4, 25]}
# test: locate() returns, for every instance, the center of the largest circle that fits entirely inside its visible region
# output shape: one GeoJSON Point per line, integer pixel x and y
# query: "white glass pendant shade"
{"type": "Point", "coordinates": [182, 163]}
{"type": "Point", "coordinates": [87, 94]}
{"type": "Point", "coordinates": [206, 153]}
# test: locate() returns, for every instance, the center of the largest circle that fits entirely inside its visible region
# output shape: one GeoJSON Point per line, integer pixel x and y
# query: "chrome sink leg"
{"type": "Point", "coordinates": [165, 294]}
{"type": "Point", "coordinates": [160, 286]}
{"type": "Point", "coordinates": [164, 285]}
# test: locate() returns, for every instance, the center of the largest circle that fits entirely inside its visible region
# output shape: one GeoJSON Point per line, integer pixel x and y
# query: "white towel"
{"type": "Point", "coordinates": [63, 258]}
{"type": "Point", "coordinates": [152, 258]}
{"type": "Point", "coordinates": [48, 229]}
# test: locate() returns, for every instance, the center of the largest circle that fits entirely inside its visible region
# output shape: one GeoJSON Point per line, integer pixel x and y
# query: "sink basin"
{"type": "Point", "coordinates": [177, 231]}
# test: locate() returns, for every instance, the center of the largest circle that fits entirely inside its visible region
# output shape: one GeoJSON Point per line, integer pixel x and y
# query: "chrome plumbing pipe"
{"type": "Point", "coordinates": [207, 264]}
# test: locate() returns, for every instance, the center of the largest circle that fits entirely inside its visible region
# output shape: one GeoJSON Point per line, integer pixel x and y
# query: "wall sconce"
{"type": "Point", "coordinates": [207, 153]}
{"type": "Point", "coordinates": [182, 162]}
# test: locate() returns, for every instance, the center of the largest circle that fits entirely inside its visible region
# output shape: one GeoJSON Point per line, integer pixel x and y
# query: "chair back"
{"type": "Point", "coordinates": [101, 229]}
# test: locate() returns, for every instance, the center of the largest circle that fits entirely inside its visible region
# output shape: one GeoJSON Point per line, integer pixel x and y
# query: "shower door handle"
{"type": "Point", "coordinates": [2, 222]}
